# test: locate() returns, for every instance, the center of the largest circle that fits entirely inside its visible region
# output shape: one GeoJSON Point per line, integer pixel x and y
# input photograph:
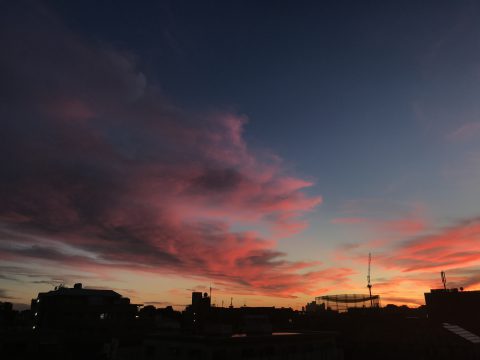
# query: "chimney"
{"type": "Point", "coordinates": [77, 286]}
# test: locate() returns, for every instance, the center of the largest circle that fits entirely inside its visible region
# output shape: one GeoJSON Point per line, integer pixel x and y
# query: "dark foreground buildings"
{"type": "Point", "coordinates": [79, 323]}
{"type": "Point", "coordinates": [301, 346]}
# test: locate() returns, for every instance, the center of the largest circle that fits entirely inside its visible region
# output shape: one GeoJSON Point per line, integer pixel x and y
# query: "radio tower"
{"type": "Point", "coordinates": [444, 280]}
{"type": "Point", "coordinates": [369, 285]}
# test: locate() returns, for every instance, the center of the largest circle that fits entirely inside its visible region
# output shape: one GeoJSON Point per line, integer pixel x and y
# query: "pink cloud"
{"type": "Point", "coordinates": [413, 265]}
{"type": "Point", "coordinates": [114, 176]}
{"type": "Point", "coordinates": [456, 247]}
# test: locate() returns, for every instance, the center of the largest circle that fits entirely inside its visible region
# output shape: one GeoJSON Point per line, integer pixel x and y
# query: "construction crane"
{"type": "Point", "coordinates": [369, 285]}
{"type": "Point", "coordinates": [444, 280]}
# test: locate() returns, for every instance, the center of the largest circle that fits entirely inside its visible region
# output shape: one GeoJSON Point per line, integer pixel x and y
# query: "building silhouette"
{"type": "Point", "coordinates": [81, 310]}
{"type": "Point", "coordinates": [454, 306]}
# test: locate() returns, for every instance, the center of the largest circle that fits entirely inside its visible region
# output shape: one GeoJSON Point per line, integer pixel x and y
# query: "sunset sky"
{"type": "Point", "coordinates": [262, 148]}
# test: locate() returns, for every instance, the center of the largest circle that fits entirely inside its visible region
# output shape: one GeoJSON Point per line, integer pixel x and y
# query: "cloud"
{"type": "Point", "coordinates": [158, 303]}
{"type": "Point", "coordinates": [454, 247]}
{"type": "Point", "coordinates": [4, 295]}
{"type": "Point", "coordinates": [402, 300]}
{"type": "Point", "coordinates": [101, 171]}
{"type": "Point", "coordinates": [410, 254]}
{"type": "Point", "coordinates": [416, 251]}
{"type": "Point", "coordinates": [465, 132]}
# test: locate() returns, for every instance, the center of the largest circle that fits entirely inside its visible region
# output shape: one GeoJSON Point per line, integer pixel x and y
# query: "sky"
{"type": "Point", "coordinates": [262, 149]}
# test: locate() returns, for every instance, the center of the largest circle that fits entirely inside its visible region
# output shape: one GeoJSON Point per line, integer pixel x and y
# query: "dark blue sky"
{"type": "Point", "coordinates": [330, 86]}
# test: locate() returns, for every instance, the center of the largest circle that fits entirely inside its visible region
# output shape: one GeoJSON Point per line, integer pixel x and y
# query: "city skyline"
{"type": "Point", "coordinates": [263, 150]}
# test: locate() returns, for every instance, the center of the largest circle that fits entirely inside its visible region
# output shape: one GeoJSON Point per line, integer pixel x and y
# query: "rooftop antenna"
{"type": "Point", "coordinates": [444, 280]}
{"type": "Point", "coordinates": [369, 285]}
{"type": "Point", "coordinates": [210, 291]}
{"type": "Point", "coordinates": [231, 303]}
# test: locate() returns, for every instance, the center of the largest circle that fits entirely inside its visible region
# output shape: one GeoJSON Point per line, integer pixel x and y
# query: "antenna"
{"type": "Point", "coordinates": [231, 303]}
{"type": "Point", "coordinates": [369, 285]}
{"type": "Point", "coordinates": [210, 291]}
{"type": "Point", "coordinates": [444, 280]}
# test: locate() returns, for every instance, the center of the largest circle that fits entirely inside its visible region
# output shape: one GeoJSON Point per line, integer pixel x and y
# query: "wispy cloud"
{"type": "Point", "coordinates": [467, 131]}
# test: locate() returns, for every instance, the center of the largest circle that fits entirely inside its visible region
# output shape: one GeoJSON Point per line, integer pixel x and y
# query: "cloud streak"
{"type": "Point", "coordinates": [467, 131]}
{"type": "Point", "coordinates": [454, 247]}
